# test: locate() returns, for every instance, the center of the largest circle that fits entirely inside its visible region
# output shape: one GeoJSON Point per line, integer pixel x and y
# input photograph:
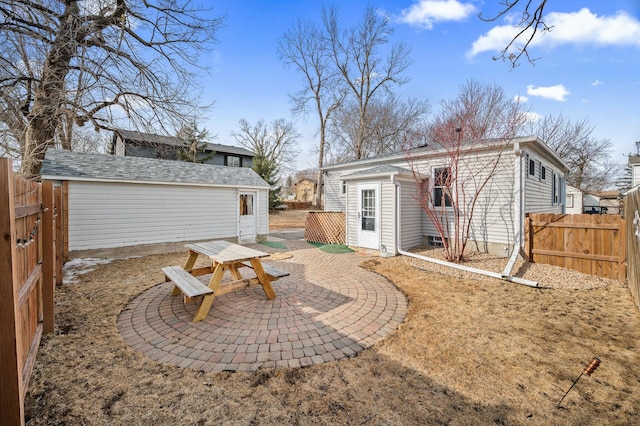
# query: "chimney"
{"type": "Point", "coordinates": [637, 147]}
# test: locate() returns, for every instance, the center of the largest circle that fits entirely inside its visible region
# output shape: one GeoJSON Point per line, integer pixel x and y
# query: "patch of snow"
{"type": "Point", "coordinates": [76, 267]}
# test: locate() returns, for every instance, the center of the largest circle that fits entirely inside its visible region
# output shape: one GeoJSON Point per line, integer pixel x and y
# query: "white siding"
{"type": "Point", "coordinates": [574, 200]}
{"type": "Point", "coordinates": [635, 175]}
{"type": "Point", "coordinates": [493, 212]}
{"type": "Point", "coordinates": [387, 216]}
{"type": "Point", "coordinates": [537, 191]}
{"type": "Point", "coordinates": [352, 215]}
{"type": "Point", "coordinates": [263, 212]}
{"type": "Point", "coordinates": [334, 200]}
{"type": "Point", "coordinates": [410, 217]}
{"type": "Point", "coordinates": [107, 215]}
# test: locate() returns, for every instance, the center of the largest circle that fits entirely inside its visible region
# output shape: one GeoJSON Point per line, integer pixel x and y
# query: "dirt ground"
{"type": "Point", "coordinates": [470, 352]}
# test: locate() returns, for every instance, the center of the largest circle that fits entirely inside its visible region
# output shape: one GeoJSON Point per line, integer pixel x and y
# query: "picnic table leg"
{"type": "Point", "coordinates": [263, 278]}
{"type": "Point", "coordinates": [207, 300]}
{"type": "Point", "coordinates": [235, 274]}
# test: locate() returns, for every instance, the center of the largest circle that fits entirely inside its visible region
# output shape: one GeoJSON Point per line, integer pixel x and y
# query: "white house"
{"type": "Point", "coordinates": [114, 201]}
{"type": "Point", "coordinates": [574, 200]}
{"type": "Point", "coordinates": [379, 194]}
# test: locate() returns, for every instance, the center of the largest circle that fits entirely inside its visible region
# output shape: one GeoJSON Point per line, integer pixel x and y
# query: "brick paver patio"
{"type": "Point", "coordinates": [327, 309]}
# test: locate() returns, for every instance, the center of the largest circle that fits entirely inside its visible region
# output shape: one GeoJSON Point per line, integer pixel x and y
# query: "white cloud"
{"type": "Point", "coordinates": [557, 93]}
{"type": "Point", "coordinates": [597, 83]}
{"type": "Point", "coordinates": [426, 12]}
{"type": "Point", "coordinates": [532, 117]}
{"type": "Point", "coordinates": [520, 99]}
{"type": "Point", "coordinates": [580, 28]}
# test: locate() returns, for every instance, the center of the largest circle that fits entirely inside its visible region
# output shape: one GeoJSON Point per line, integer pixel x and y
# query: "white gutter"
{"type": "Point", "coordinates": [445, 263]}
{"type": "Point", "coordinates": [519, 211]}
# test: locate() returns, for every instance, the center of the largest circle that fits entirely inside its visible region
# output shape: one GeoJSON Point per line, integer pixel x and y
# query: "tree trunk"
{"type": "Point", "coordinates": [44, 117]}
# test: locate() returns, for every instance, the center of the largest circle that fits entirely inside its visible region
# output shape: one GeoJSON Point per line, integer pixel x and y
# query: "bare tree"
{"type": "Point", "coordinates": [588, 158]}
{"type": "Point", "coordinates": [531, 22]}
{"type": "Point", "coordinates": [72, 63]}
{"type": "Point", "coordinates": [390, 124]}
{"type": "Point", "coordinates": [368, 76]}
{"type": "Point", "coordinates": [471, 132]}
{"type": "Point", "coordinates": [306, 48]}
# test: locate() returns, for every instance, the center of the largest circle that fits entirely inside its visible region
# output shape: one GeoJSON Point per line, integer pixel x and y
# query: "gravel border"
{"type": "Point", "coordinates": [547, 276]}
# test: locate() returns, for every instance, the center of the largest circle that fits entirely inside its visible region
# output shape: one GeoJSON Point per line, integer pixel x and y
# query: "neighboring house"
{"type": "Point", "coordinates": [305, 190]}
{"type": "Point", "coordinates": [378, 195]}
{"type": "Point", "coordinates": [574, 201]}
{"type": "Point", "coordinates": [115, 202]}
{"type": "Point", "coordinates": [610, 202]}
{"type": "Point", "coordinates": [590, 203]}
{"type": "Point", "coordinates": [136, 144]}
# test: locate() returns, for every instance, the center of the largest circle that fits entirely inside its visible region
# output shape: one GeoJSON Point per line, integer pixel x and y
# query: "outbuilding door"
{"type": "Point", "coordinates": [369, 216]}
{"type": "Point", "coordinates": [247, 216]}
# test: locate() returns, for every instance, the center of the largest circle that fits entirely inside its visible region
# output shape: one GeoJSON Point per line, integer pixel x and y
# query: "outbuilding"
{"type": "Point", "coordinates": [126, 203]}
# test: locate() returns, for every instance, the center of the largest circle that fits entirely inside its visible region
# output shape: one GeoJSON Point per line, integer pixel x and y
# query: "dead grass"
{"type": "Point", "coordinates": [470, 352]}
{"type": "Point", "coordinates": [283, 219]}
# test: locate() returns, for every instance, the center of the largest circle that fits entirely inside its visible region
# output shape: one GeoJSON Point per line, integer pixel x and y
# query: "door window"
{"type": "Point", "coordinates": [246, 204]}
{"type": "Point", "coordinates": [368, 210]}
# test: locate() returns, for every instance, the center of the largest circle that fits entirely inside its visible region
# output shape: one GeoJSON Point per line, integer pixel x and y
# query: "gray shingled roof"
{"type": "Point", "coordinates": [133, 135]}
{"type": "Point", "coordinates": [67, 165]}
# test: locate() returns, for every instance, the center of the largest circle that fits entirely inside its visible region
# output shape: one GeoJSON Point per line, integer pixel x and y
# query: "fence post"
{"type": "Point", "coordinates": [59, 232]}
{"type": "Point", "coordinates": [11, 392]}
{"type": "Point", "coordinates": [48, 257]}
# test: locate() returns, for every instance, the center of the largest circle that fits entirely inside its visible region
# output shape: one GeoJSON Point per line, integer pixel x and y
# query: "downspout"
{"type": "Point", "coordinates": [518, 197]}
{"type": "Point", "coordinates": [491, 274]}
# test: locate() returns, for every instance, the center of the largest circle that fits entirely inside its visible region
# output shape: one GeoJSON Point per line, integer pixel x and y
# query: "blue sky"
{"type": "Point", "coordinates": [588, 66]}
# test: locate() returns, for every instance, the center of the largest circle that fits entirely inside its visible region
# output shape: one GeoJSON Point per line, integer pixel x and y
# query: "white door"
{"type": "Point", "coordinates": [369, 216]}
{"type": "Point", "coordinates": [247, 217]}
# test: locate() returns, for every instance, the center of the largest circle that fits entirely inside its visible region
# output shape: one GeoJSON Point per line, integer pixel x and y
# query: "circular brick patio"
{"type": "Point", "coordinates": [327, 309]}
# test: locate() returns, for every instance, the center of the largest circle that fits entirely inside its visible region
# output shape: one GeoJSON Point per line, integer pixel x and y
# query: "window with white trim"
{"type": "Point", "coordinates": [555, 193]}
{"type": "Point", "coordinates": [442, 187]}
{"type": "Point", "coordinates": [532, 167]}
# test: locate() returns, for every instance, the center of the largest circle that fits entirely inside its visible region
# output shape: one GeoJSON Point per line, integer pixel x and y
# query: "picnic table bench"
{"type": "Point", "coordinates": [225, 256]}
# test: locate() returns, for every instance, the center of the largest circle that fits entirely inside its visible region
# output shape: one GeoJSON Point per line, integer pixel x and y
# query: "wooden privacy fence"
{"type": "Point", "coordinates": [592, 244]}
{"type": "Point", "coordinates": [632, 217]}
{"type": "Point", "coordinates": [27, 278]}
{"type": "Point", "coordinates": [325, 227]}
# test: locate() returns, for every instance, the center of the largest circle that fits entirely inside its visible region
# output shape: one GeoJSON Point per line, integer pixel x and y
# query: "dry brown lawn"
{"type": "Point", "coordinates": [470, 352]}
{"type": "Point", "coordinates": [282, 219]}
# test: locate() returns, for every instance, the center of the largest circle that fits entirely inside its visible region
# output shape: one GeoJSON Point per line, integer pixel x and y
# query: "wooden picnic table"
{"type": "Point", "coordinates": [225, 256]}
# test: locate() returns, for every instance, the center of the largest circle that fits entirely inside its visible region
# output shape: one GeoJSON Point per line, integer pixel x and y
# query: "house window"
{"type": "Point", "coordinates": [532, 167]}
{"type": "Point", "coordinates": [442, 187]}
{"type": "Point", "coordinates": [543, 173]}
{"type": "Point", "coordinates": [343, 187]}
{"type": "Point", "coordinates": [233, 161]}
{"type": "Point", "coordinates": [555, 196]}
{"type": "Point", "coordinates": [434, 241]}
{"type": "Point", "coordinates": [569, 201]}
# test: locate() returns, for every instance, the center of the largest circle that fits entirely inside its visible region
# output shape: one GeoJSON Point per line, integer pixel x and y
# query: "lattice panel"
{"type": "Point", "coordinates": [326, 227]}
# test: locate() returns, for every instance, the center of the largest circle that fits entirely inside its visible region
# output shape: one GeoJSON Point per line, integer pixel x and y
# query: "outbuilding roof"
{"type": "Point", "coordinates": [68, 165]}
